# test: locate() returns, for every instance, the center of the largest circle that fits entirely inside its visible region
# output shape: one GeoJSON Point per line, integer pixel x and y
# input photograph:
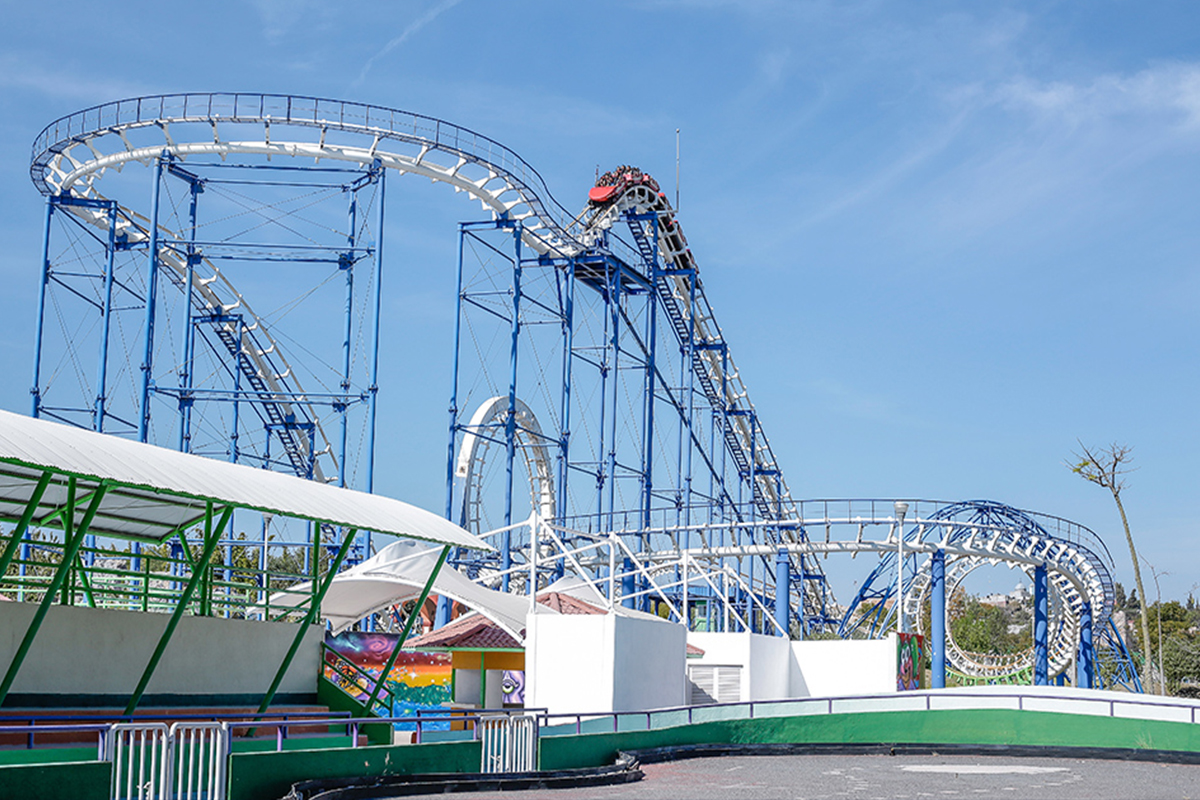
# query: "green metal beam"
{"type": "Point", "coordinates": [211, 537]}
{"type": "Point", "coordinates": [42, 522]}
{"type": "Point", "coordinates": [408, 626]}
{"type": "Point", "coordinates": [82, 571]}
{"type": "Point", "coordinates": [70, 547]}
{"type": "Point", "coordinates": [313, 610]}
{"type": "Point", "coordinates": [10, 551]}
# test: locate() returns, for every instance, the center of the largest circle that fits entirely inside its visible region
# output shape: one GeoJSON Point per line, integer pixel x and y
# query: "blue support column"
{"type": "Point", "coordinates": [35, 390]}
{"type": "Point", "coordinates": [346, 264]}
{"type": "Point", "coordinates": [237, 391]}
{"type": "Point", "coordinates": [186, 370]}
{"type": "Point", "coordinates": [1085, 663]}
{"type": "Point", "coordinates": [783, 588]}
{"type": "Point", "coordinates": [568, 332]}
{"type": "Point", "coordinates": [373, 389]}
{"type": "Point", "coordinates": [147, 365]}
{"type": "Point", "coordinates": [627, 584]}
{"type": "Point", "coordinates": [1041, 626]}
{"type": "Point", "coordinates": [106, 324]}
{"type": "Point", "coordinates": [614, 366]}
{"type": "Point", "coordinates": [648, 395]}
{"type": "Point", "coordinates": [510, 425]}
{"type": "Point", "coordinates": [937, 619]}
{"type": "Point", "coordinates": [443, 608]}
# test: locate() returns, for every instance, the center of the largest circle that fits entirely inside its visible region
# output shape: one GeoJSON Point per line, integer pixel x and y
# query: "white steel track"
{"type": "Point", "coordinates": [72, 155]}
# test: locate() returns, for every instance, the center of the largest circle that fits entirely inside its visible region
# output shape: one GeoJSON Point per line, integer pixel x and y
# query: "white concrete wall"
{"type": "Point", "coordinates": [648, 664]}
{"type": "Point", "coordinates": [770, 667]}
{"type": "Point", "coordinates": [600, 663]}
{"type": "Point", "coordinates": [765, 661]}
{"type": "Point", "coordinates": [87, 651]}
{"type": "Point", "coordinates": [494, 690]}
{"type": "Point", "coordinates": [466, 686]}
{"type": "Point", "coordinates": [839, 668]}
{"type": "Point", "coordinates": [568, 663]}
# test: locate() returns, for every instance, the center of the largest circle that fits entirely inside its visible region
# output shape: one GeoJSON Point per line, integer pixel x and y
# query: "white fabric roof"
{"type": "Point", "coordinates": [398, 573]}
{"type": "Point", "coordinates": [154, 491]}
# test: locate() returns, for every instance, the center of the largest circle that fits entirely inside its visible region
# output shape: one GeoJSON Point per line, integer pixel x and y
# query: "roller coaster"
{"type": "Point", "coordinates": [588, 363]}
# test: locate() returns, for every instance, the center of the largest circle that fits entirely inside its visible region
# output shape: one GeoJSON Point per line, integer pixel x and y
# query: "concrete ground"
{"type": "Point", "coordinates": [867, 777]}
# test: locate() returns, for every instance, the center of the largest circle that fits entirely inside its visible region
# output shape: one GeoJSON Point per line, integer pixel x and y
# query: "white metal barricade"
{"type": "Point", "coordinates": [141, 755]}
{"type": "Point", "coordinates": [201, 756]}
{"type": "Point", "coordinates": [509, 743]}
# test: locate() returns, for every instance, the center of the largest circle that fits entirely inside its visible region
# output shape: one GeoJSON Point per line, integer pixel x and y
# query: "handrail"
{"type": "Point", "coordinates": [111, 582]}
{"type": "Point", "coordinates": [233, 721]}
{"type": "Point", "coordinates": [340, 661]}
{"type": "Point", "coordinates": [313, 112]}
{"type": "Point", "coordinates": [929, 697]}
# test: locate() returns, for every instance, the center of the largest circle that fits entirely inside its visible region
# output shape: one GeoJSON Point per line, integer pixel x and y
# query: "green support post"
{"type": "Point", "coordinates": [313, 610]}
{"type": "Point", "coordinates": [71, 544]}
{"type": "Point", "coordinates": [84, 581]}
{"type": "Point", "coordinates": [408, 625]}
{"type": "Point", "coordinates": [10, 551]}
{"type": "Point", "coordinates": [211, 537]}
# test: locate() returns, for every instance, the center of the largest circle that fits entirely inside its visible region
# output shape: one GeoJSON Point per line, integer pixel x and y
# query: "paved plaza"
{"type": "Point", "coordinates": [891, 777]}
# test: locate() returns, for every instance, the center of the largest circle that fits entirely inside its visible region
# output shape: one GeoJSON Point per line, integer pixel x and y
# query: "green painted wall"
{"type": "Point", "coordinates": [264, 776]}
{"type": "Point", "coordinates": [335, 699]}
{"type": "Point", "coordinates": [48, 755]}
{"type": "Point", "coordinates": [910, 727]}
{"type": "Point", "coordinates": [269, 775]}
{"type": "Point", "coordinates": [83, 781]}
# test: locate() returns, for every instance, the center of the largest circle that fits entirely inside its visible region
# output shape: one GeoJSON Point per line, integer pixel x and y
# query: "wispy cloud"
{"type": "Point", "coordinates": [1170, 89]}
{"type": "Point", "coordinates": [411, 30]}
{"type": "Point", "coordinates": [20, 73]}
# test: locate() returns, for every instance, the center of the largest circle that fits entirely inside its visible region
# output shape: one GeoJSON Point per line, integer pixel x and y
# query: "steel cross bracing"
{"type": "Point", "coordinates": [653, 226]}
{"type": "Point", "coordinates": [969, 534]}
{"type": "Point", "coordinates": [271, 385]}
{"type": "Point", "coordinates": [71, 156]}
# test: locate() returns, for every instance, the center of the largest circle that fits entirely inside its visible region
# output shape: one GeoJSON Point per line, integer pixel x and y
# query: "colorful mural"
{"type": "Point", "coordinates": [910, 666]}
{"type": "Point", "coordinates": [417, 680]}
{"type": "Point", "coordinates": [513, 687]}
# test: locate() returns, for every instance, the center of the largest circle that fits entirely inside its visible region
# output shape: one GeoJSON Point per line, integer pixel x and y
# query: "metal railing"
{"type": "Point", "coordinates": [1071, 701]}
{"type": "Point", "coordinates": [107, 577]}
{"type": "Point", "coordinates": [356, 682]}
{"type": "Point", "coordinates": [140, 753]}
{"type": "Point", "coordinates": [54, 729]}
{"type": "Point", "coordinates": [508, 743]}
{"type": "Point", "coordinates": [322, 114]}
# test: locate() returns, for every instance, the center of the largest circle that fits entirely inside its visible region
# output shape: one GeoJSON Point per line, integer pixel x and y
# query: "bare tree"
{"type": "Point", "coordinates": [1107, 467]}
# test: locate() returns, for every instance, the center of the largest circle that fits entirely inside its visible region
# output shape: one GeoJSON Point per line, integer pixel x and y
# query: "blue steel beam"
{"type": "Point", "coordinates": [937, 619]}
{"type": "Point", "coordinates": [1041, 628]}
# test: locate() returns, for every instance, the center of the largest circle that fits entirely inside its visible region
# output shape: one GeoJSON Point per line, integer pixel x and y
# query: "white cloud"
{"type": "Point", "coordinates": [409, 31]}
{"type": "Point", "coordinates": [279, 16]}
{"type": "Point", "coordinates": [20, 74]}
{"type": "Point", "coordinates": [1168, 92]}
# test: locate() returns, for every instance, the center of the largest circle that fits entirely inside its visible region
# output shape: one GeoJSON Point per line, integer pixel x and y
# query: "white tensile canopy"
{"type": "Point", "coordinates": [398, 573]}
{"type": "Point", "coordinates": [153, 493]}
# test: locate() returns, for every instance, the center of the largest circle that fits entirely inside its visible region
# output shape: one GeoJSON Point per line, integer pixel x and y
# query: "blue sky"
{"type": "Point", "coordinates": [944, 242]}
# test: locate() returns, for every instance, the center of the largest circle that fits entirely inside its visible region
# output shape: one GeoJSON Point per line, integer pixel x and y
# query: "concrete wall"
{"type": "Point", "coordinates": [648, 664]}
{"type": "Point", "coordinates": [765, 661]}
{"type": "Point", "coordinates": [98, 652]}
{"type": "Point", "coordinates": [775, 668]}
{"type": "Point", "coordinates": [599, 663]}
{"type": "Point", "coordinates": [568, 663]}
{"type": "Point", "coordinates": [770, 667]}
{"type": "Point", "coordinates": [838, 668]}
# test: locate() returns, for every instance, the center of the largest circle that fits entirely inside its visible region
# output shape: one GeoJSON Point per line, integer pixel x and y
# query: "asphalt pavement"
{"type": "Point", "coordinates": [890, 777]}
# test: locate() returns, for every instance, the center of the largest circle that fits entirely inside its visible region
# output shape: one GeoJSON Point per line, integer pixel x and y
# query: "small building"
{"type": "Point", "coordinates": [487, 664]}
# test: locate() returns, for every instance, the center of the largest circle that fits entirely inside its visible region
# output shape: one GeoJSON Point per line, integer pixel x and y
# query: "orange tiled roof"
{"type": "Point", "coordinates": [472, 632]}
